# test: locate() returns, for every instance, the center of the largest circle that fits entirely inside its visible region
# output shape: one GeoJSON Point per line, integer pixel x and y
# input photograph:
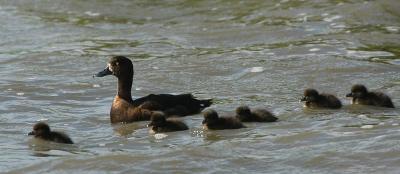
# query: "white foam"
{"type": "Point", "coordinates": [42, 119]}
{"type": "Point", "coordinates": [256, 69]}
{"type": "Point", "coordinates": [362, 116]}
{"type": "Point", "coordinates": [90, 13]}
{"type": "Point", "coordinates": [392, 28]}
{"type": "Point", "coordinates": [332, 18]}
{"type": "Point", "coordinates": [367, 127]}
{"type": "Point", "coordinates": [367, 54]}
{"type": "Point", "coordinates": [314, 49]}
{"type": "Point", "coordinates": [160, 136]}
{"type": "Point", "coordinates": [20, 93]}
{"type": "Point", "coordinates": [96, 86]}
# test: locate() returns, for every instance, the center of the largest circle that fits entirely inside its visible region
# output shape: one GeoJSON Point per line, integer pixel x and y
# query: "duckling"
{"type": "Point", "coordinates": [214, 122]}
{"type": "Point", "coordinates": [362, 96]}
{"type": "Point", "coordinates": [244, 114]}
{"type": "Point", "coordinates": [315, 100]}
{"type": "Point", "coordinates": [42, 131]}
{"type": "Point", "coordinates": [159, 123]}
{"type": "Point", "coordinates": [125, 109]}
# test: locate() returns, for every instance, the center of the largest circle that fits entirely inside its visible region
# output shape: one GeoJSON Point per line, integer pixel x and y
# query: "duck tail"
{"type": "Point", "coordinates": [206, 103]}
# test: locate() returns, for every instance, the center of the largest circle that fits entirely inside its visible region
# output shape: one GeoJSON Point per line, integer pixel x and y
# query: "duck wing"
{"type": "Point", "coordinates": [182, 104]}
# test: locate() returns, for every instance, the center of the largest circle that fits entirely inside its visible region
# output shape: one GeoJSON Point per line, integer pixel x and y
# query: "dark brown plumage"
{"type": "Point", "coordinates": [124, 109]}
{"type": "Point", "coordinates": [159, 123]}
{"type": "Point", "coordinates": [244, 114]}
{"type": "Point", "coordinates": [313, 99]}
{"type": "Point", "coordinates": [214, 122]}
{"type": "Point", "coordinates": [42, 131]}
{"type": "Point", "coordinates": [362, 96]}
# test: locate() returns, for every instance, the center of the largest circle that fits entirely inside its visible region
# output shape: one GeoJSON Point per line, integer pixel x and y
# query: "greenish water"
{"type": "Point", "coordinates": [258, 53]}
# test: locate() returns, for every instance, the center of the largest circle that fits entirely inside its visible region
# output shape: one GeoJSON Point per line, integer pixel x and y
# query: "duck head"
{"type": "Point", "coordinates": [243, 111]}
{"type": "Point", "coordinates": [310, 95]}
{"type": "Point", "coordinates": [40, 130]}
{"type": "Point", "coordinates": [157, 119]}
{"type": "Point", "coordinates": [210, 116]}
{"type": "Point", "coordinates": [118, 66]}
{"type": "Point", "coordinates": [358, 91]}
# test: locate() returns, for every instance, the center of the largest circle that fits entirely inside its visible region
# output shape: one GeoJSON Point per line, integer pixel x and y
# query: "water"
{"type": "Point", "coordinates": [259, 53]}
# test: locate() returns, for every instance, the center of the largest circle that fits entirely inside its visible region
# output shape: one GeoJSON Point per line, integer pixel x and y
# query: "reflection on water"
{"type": "Point", "coordinates": [257, 53]}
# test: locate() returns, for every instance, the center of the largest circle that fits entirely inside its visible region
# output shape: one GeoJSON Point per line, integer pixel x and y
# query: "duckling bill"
{"type": "Point", "coordinates": [313, 99]}
{"type": "Point", "coordinates": [362, 96]}
{"type": "Point", "coordinates": [125, 109]}
{"type": "Point", "coordinates": [42, 131]}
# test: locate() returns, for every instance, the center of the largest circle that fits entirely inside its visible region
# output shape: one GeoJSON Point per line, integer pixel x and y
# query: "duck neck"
{"type": "Point", "coordinates": [124, 89]}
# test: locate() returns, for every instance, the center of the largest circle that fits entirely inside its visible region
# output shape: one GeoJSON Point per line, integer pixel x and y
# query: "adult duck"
{"type": "Point", "coordinates": [125, 109]}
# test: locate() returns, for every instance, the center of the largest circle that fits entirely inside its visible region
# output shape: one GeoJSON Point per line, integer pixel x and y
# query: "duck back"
{"type": "Point", "coordinates": [226, 123]}
{"type": "Point", "coordinates": [262, 115]}
{"type": "Point", "coordinates": [181, 105]}
{"type": "Point", "coordinates": [330, 101]}
{"type": "Point", "coordinates": [59, 137]}
{"type": "Point", "coordinates": [377, 99]}
{"type": "Point", "coordinates": [171, 126]}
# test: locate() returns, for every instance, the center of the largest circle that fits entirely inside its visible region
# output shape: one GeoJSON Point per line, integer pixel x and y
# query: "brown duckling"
{"type": "Point", "coordinates": [42, 131]}
{"type": "Point", "coordinates": [125, 109]}
{"type": "Point", "coordinates": [313, 99]}
{"type": "Point", "coordinates": [214, 122]}
{"type": "Point", "coordinates": [362, 96]}
{"type": "Point", "coordinates": [244, 114]}
{"type": "Point", "coordinates": [159, 123]}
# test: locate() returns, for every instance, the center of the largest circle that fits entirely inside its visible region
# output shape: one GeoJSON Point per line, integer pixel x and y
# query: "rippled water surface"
{"type": "Point", "coordinates": [259, 53]}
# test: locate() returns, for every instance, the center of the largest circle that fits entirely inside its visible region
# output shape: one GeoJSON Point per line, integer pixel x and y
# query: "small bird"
{"type": "Point", "coordinates": [362, 96]}
{"type": "Point", "coordinates": [214, 122]}
{"type": "Point", "coordinates": [159, 123]}
{"type": "Point", "coordinates": [244, 114]}
{"type": "Point", "coordinates": [313, 99]}
{"type": "Point", "coordinates": [42, 131]}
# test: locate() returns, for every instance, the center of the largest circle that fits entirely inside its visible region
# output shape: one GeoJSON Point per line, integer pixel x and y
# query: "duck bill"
{"type": "Point", "coordinates": [103, 73]}
{"type": "Point", "coordinates": [349, 95]}
{"type": "Point", "coordinates": [31, 133]}
{"type": "Point", "coordinates": [303, 99]}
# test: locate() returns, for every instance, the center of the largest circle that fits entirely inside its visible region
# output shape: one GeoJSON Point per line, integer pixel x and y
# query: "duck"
{"type": "Point", "coordinates": [213, 122]}
{"type": "Point", "coordinates": [42, 131]}
{"type": "Point", "coordinates": [125, 109]}
{"type": "Point", "coordinates": [244, 114]}
{"type": "Point", "coordinates": [313, 99]}
{"type": "Point", "coordinates": [159, 123]}
{"type": "Point", "coordinates": [362, 96]}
